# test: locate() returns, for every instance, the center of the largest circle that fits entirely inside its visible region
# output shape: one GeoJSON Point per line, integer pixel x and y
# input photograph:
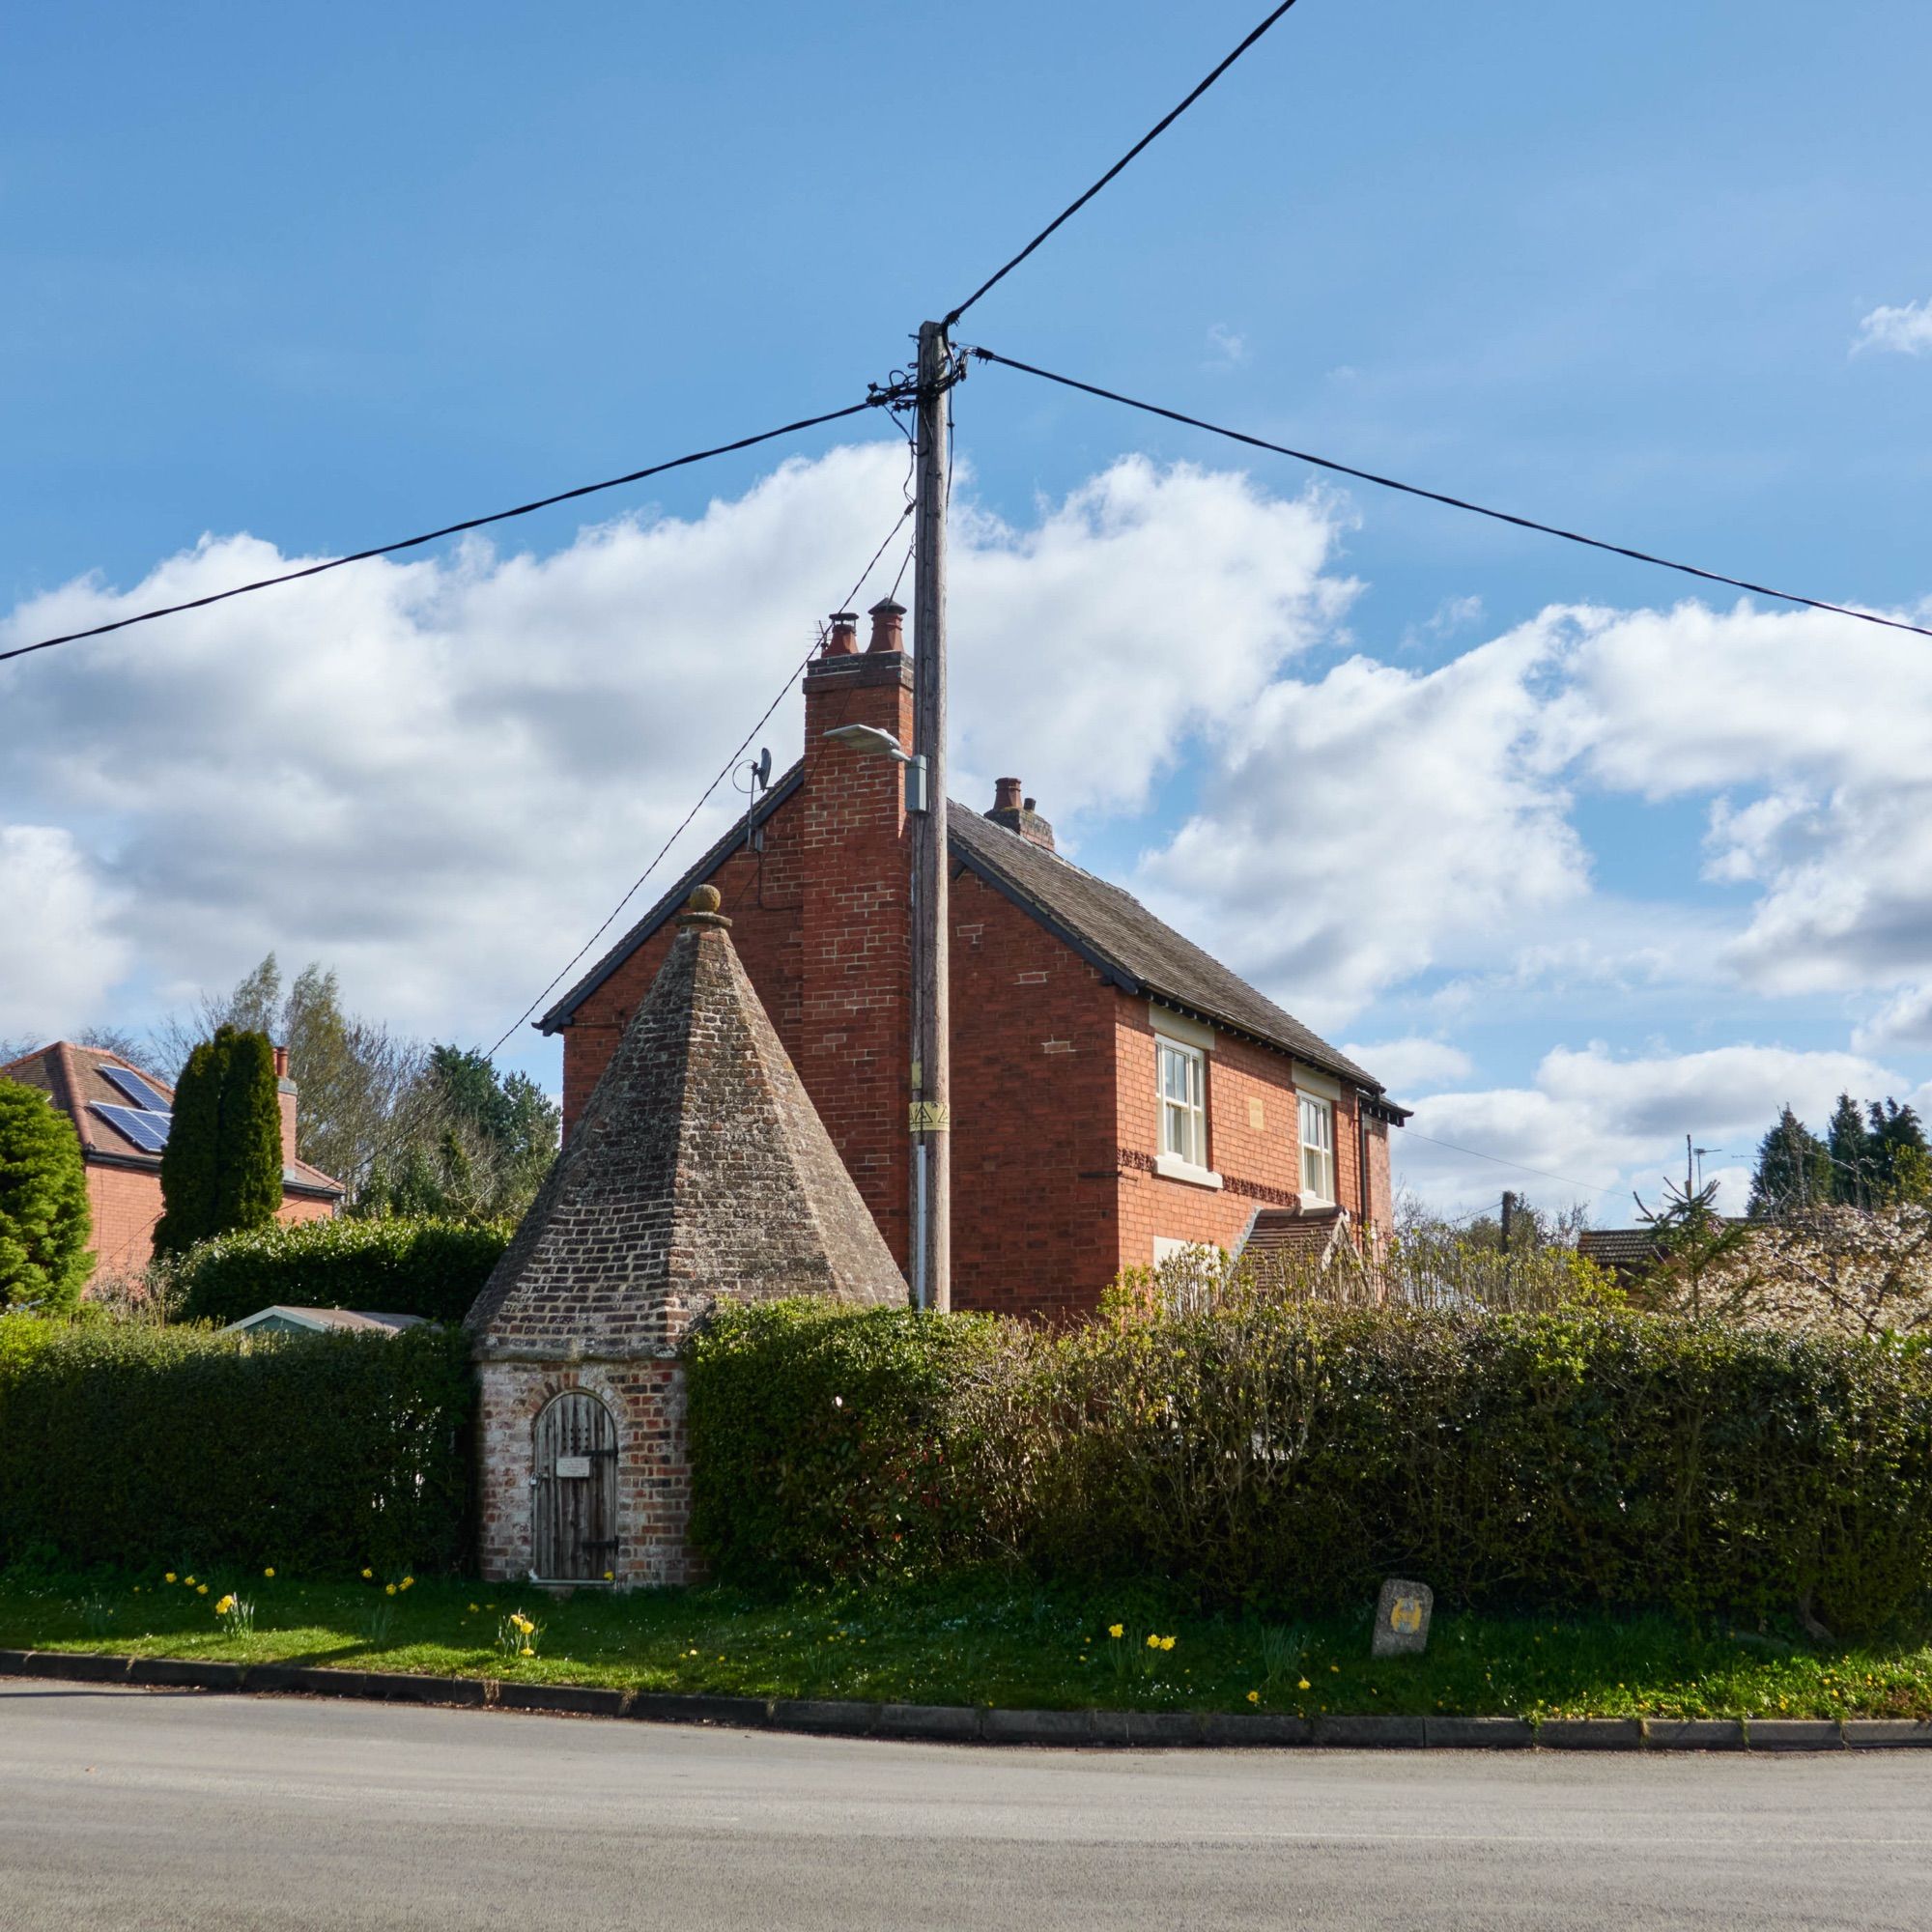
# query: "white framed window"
{"type": "Point", "coordinates": [1318, 1148]}
{"type": "Point", "coordinates": [1182, 1088]}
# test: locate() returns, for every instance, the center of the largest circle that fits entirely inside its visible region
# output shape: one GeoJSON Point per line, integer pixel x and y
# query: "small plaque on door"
{"type": "Point", "coordinates": [573, 1465]}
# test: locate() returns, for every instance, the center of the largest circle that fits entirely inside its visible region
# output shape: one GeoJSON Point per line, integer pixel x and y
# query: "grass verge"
{"type": "Point", "coordinates": [986, 1641]}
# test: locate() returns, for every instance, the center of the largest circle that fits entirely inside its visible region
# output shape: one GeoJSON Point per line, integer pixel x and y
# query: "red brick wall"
{"type": "Point", "coordinates": [126, 1203]}
{"type": "Point", "coordinates": [1034, 1186]}
{"type": "Point", "coordinates": [853, 1043]}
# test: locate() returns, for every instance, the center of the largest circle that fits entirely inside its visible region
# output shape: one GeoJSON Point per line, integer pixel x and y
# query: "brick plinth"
{"type": "Point", "coordinates": [646, 1402]}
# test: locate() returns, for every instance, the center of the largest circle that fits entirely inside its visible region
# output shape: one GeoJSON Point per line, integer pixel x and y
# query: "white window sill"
{"type": "Point", "coordinates": [1171, 1167]}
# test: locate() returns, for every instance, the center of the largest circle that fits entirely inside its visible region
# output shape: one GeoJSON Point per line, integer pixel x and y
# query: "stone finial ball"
{"type": "Point", "coordinates": [706, 898]}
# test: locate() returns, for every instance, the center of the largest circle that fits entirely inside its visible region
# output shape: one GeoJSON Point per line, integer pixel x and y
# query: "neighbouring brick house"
{"type": "Point", "coordinates": [1117, 1093]}
{"type": "Point", "coordinates": [122, 1114]}
{"type": "Point", "coordinates": [697, 1171]}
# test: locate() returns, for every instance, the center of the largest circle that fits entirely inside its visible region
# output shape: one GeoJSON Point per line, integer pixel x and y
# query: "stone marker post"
{"type": "Point", "coordinates": [1402, 1619]}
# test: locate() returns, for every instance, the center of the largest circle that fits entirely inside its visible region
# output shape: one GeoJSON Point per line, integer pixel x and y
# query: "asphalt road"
{"type": "Point", "coordinates": [123, 1808]}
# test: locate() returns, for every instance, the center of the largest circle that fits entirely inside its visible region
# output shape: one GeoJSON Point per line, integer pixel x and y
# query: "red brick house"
{"type": "Point", "coordinates": [1117, 1093]}
{"type": "Point", "coordinates": [122, 1115]}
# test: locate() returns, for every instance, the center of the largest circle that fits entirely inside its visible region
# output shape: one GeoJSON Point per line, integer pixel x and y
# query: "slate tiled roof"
{"type": "Point", "coordinates": [699, 1171]}
{"type": "Point", "coordinates": [1109, 928]}
{"type": "Point", "coordinates": [72, 1076]}
{"type": "Point", "coordinates": [1282, 1234]}
{"type": "Point", "coordinates": [1140, 953]}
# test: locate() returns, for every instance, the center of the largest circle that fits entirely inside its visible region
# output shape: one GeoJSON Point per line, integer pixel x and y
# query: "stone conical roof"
{"type": "Point", "coordinates": [700, 1170]}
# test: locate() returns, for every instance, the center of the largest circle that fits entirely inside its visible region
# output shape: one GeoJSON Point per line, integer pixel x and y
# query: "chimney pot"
{"type": "Point", "coordinates": [888, 626]}
{"type": "Point", "coordinates": [1018, 815]}
{"type": "Point", "coordinates": [281, 1062]}
{"type": "Point", "coordinates": [1005, 794]}
{"type": "Point", "coordinates": [1028, 804]}
{"type": "Point", "coordinates": [843, 642]}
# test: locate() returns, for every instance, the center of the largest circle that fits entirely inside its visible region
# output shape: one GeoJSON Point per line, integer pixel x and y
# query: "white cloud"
{"type": "Point", "coordinates": [1601, 1123]}
{"type": "Point", "coordinates": [1226, 350]}
{"type": "Point", "coordinates": [1414, 1065]}
{"type": "Point", "coordinates": [1359, 824]}
{"type": "Point", "coordinates": [438, 775]}
{"type": "Point", "coordinates": [58, 955]}
{"type": "Point", "coordinates": [1905, 330]}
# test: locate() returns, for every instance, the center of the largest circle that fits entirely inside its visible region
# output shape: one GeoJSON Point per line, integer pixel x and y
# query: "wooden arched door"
{"type": "Point", "coordinates": [573, 1489]}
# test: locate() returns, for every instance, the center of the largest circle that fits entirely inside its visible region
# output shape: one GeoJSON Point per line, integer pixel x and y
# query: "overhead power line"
{"type": "Point", "coordinates": [880, 398]}
{"type": "Point", "coordinates": [1454, 503]}
{"type": "Point", "coordinates": [850, 598]}
{"type": "Point", "coordinates": [1476, 1154]}
{"type": "Point", "coordinates": [1147, 140]}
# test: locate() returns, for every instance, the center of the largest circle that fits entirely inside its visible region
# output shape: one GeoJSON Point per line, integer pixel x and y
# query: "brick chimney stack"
{"type": "Point", "coordinates": [1018, 813]}
{"type": "Point", "coordinates": [285, 1099]}
{"type": "Point", "coordinates": [855, 919]}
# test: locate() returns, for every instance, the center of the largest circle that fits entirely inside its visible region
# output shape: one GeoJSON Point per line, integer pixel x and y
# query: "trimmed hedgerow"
{"type": "Point", "coordinates": [318, 1454]}
{"type": "Point", "coordinates": [402, 1266]}
{"type": "Point", "coordinates": [1280, 1454]}
{"type": "Point", "coordinates": [818, 1439]}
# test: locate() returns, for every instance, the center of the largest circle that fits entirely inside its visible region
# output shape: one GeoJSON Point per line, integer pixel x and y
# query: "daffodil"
{"type": "Point", "coordinates": [526, 1651]}
{"type": "Point", "coordinates": [226, 1604]}
{"type": "Point", "coordinates": [1254, 1697]}
{"type": "Point", "coordinates": [190, 1582]}
{"type": "Point", "coordinates": [367, 1575]}
{"type": "Point", "coordinates": [408, 1581]}
{"type": "Point", "coordinates": [201, 1589]}
{"type": "Point", "coordinates": [609, 1576]}
{"type": "Point", "coordinates": [169, 1577]}
{"type": "Point", "coordinates": [1113, 1630]}
{"type": "Point", "coordinates": [270, 1571]}
{"type": "Point", "coordinates": [1167, 1643]}
{"type": "Point", "coordinates": [389, 1589]}
{"type": "Point", "coordinates": [1153, 1643]}
{"type": "Point", "coordinates": [1304, 1684]}
{"type": "Point", "coordinates": [473, 1609]}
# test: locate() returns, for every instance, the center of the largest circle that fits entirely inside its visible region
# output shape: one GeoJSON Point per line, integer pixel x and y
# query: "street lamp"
{"type": "Point", "coordinates": [872, 742]}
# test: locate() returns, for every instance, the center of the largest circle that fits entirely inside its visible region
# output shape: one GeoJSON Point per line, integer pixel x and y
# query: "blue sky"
{"type": "Point", "coordinates": [319, 279]}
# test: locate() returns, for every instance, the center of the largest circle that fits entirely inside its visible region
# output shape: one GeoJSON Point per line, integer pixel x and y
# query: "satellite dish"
{"type": "Point", "coordinates": [764, 767]}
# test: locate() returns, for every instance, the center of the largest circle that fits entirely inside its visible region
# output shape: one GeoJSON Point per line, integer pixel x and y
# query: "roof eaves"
{"type": "Point", "coordinates": [564, 1011]}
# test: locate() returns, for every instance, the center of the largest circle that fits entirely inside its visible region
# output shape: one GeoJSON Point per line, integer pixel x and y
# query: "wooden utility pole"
{"type": "Point", "coordinates": [932, 1069]}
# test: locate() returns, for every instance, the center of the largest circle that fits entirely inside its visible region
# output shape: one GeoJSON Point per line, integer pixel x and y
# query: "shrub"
{"type": "Point", "coordinates": [816, 1438]}
{"type": "Point", "coordinates": [431, 1268]}
{"type": "Point", "coordinates": [222, 1166]}
{"type": "Point", "coordinates": [318, 1454]}
{"type": "Point", "coordinates": [1284, 1454]}
{"type": "Point", "coordinates": [45, 1219]}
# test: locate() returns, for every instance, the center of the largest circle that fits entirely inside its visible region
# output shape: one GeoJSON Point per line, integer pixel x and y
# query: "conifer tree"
{"type": "Point", "coordinates": [222, 1166]}
{"type": "Point", "coordinates": [45, 1219]}
{"type": "Point", "coordinates": [1853, 1171]}
{"type": "Point", "coordinates": [1794, 1171]}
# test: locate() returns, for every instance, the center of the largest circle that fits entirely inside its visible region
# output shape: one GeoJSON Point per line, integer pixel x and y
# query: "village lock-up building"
{"type": "Point", "coordinates": [122, 1114]}
{"type": "Point", "coordinates": [696, 1172]}
{"type": "Point", "coordinates": [1118, 1093]}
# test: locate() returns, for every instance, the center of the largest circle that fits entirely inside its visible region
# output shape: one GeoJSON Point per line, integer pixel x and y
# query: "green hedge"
{"type": "Point", "coordinates": [1292, 1457]}
{"type": "Point", "coordinates": [394, 1267]}
{"type": "Point", "coordinates": [178, 1448]}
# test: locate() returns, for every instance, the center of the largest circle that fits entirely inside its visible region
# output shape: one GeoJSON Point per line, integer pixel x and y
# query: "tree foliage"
{"type": "Point", "coordinates": [44, 1219]}
{"type": "Point", "coordinates": [1793, 1172]}
{"type": "Point", "coordinates": [222, 1169]}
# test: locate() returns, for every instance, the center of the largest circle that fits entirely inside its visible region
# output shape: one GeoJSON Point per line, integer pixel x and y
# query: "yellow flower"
{"type": "Point", "coordinates": [407, 1581]}
{"type": "Point", "coordinates": [226, 1604]}
{"type": "Point", "coordinates": [1113, 1630]}
{"type": "Point", "coordinates": [526, 1651]}
{"type": "Point", "coordinates": [190, 1582]}
{"type": "Point", "coordinates": [473, 1609]}
{"type": "Point", "coordinates": [367, 1574]}
{"type": "Point", "coordinates": [270, 1571]}
{"type": "Point", "coordinates": [201, 1589]}
{"type": "Point", "coordinates": [1254, 1697]}
{"type": "Point", "coordinates": [609, 1576]}
{"type": "Point", "coordinates": [169, 1577]}
{"type": "Point", "coordinates": [389, 1589]}
{"type": "Point", "coordinates": [1304, 1684]}
{"type": "Point", "coordinates": [1153, 1643]}
{"type": "Point", "coordinates": [1167, 1643]}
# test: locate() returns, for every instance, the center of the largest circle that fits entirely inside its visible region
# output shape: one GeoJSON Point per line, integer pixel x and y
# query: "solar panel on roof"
{"type": "Point", "coordinates": [143, 1126]}
{"type": "Point", "coordinates": [137, 1090]}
